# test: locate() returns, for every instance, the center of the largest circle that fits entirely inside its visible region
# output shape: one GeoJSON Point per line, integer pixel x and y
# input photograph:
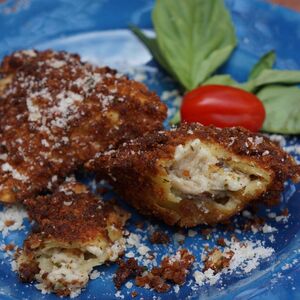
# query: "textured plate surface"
{"type": "Point", "coordinates": [98, 31]}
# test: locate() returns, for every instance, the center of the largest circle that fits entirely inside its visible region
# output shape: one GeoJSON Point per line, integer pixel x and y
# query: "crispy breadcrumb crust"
{"type": "Point", "coordinates": [71, 218]}
{"type": "Point", "coordinates": [72, 214]}
{"type": "Point", "coordinates": [134, 168]}
{"type": "Point", "coordinates": [57, 112]}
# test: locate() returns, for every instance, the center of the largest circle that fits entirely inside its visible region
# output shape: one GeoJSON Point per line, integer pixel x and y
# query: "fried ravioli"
{"type": "Point", "coordinates": [197, 175]}
{"type": "Point", "coordinates": [56, 112]}
{"type": "Point", "coordinates": [74, 232]}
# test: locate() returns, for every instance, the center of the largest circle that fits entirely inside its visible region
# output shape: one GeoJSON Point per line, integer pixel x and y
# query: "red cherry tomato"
{"type": "Point", "coordinates": [223, 106]}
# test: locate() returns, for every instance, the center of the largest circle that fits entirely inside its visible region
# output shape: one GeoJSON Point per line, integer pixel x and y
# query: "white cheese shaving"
{"type": "Point", "coordinates": [6, 167]}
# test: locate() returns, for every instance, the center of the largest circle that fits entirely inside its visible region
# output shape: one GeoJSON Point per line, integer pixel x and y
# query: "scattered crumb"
{"type": "Point", "coordinates": [159, 237]}
{"type": "Point", "coordinates": [172, 269]}
{"type": "Point", "coordinates": [221, 242]}
{"type": "Point", "coordinates": [218, 260]}
{"type": "Point", "coordinates": [11, 219]}
{"type": "Point", "coordinates": [127, 269]}
{"type": "Point", "coordinates": [134, 294]}
{"type": "Point", "coordinates": [95, 274]}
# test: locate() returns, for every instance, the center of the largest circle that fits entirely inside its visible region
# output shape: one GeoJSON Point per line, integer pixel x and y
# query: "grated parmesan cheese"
{"type": "Point", "coordinates": [13, 215]}
{"type": "Point", "coordinates": [246, 257]}
{"type": "Point", "coordinates": [6, 167]}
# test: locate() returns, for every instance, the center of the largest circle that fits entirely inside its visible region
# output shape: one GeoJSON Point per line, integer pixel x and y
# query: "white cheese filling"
{"type": "Point", "coordinates": [195, 170]}
{"type": "Point", "coordinates": [70, 268]}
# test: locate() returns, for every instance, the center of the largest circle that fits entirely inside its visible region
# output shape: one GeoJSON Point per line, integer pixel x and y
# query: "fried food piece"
{"type": "Point", "coordinates": [197, 175]}
{"type": "Point", "coordinates": [75, 231]}
{"type": "Point", "coordinates": [56, 113]}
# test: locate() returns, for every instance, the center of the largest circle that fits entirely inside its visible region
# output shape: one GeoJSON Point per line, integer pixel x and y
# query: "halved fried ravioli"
{"type": "Point", "coordinates": [57, 112]}
{"type": "Point", "coordinates": [197, 175]}
{"type": "Point", "coordinates": [74, 231]}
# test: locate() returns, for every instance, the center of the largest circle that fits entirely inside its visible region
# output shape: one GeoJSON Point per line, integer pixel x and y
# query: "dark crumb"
{"type": "Point", "coordinates": [234, 238]}
{"type": "Point", "coordinates": [285, 212]}
{"type": "Point", "coordinates": [256, 222]}
{"type": "Point", "coordinates": [217, 260]}
{"type": "Point", "coordinates": [206, 233]}
{"type": "Point", "coordinates": [28, 270]}
{"type": "Point", "coordinates": [221, 242]}
{"type": "Point", "coordinates": [63, 292]}
{"type": "Point", "coordinates": [9, 247]}
{"type": "Point", "coordinates": [151, 255]}
{"type": "Point", "coordinates": [153, 281]}
{"type": "Point", "coordinates": [9, 223]}
{"type": "Point", "coordinates": [127, 269]}
{"type": "Point", "coordinates": [243, 244]}
{"type": "Point", "coordinates": [173, 269]}
{"type": "Point", "coordinates": [134, 294]}
{"type": "Point", "coordinates": [139, 224]}
{"type": "Point", "coordinates": [159, 237]}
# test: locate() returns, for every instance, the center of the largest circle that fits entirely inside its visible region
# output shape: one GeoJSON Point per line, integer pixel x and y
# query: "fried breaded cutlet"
{"type": "Point", "coordinates": [57, 112]}
{"type": "Point", "coordinates": [74, 232]}
{"type": "Point", "coordinates": [197, 175]}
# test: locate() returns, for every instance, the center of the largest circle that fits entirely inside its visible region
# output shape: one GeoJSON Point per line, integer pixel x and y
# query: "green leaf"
{"type": "Point", "coordinates": [282, 106]}
{"type": "Point", "coordinates": [222, 80]}
{"type": "Point", "coordinates": [278, 77]}
{"type": "Point", "coordinates": [266, 62]}
{"type": "Point", "coordinates": [176, 119]}
{"type": "Point", "coordinates": [151, 44]}
{"type": "Point", "coordinates": [271, 77]}
{"type": "Point", "coordinates": [194, 36]}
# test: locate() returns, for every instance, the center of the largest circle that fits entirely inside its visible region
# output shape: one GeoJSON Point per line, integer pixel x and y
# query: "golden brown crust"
{"type": "Point", "coordinates": [57, 112]}
{"type": "Point", "coordinates": [132, 167]}
{"type": "Point", "coordinates": [72, 214]}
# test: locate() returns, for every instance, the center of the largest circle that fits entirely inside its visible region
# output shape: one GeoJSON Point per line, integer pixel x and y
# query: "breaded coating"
{"type": "Point", "coordinates": [57, 112]}
{"type": "Point", "coordinates": [197, 175]}
{"type": "Point", "coordinates": [74, 232]}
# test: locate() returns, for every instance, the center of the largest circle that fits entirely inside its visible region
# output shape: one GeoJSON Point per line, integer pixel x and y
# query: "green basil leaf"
{"type": "Point", "coordinates": [222, 80]}
{"type": "Point", "coordinates": [266, 62]}
{"type": "Point", "coordinates": [282, 106]}
{"type": "Point", "coordinates": [194, 36]}
{"type": "Point", "coordinates": [271, 77]}
{"type": "Point", "coordinates": [151, 44]}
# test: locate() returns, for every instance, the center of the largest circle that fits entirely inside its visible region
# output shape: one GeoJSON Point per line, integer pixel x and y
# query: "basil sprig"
{"type": "Point", "coordinates": [195, 37]}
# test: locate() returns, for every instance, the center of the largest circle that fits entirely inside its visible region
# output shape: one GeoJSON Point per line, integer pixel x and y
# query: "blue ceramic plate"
{"type": "Point", "coordinates": [98, 31]}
